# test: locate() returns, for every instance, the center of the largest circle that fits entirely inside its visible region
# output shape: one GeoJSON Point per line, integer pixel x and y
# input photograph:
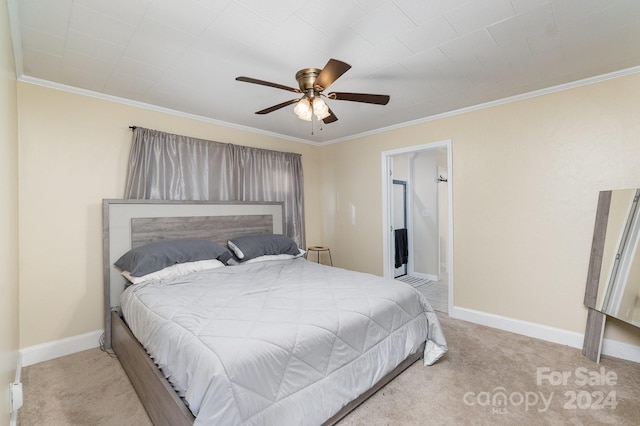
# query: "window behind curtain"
{"type": "Point", "coordinates": [165, 166]}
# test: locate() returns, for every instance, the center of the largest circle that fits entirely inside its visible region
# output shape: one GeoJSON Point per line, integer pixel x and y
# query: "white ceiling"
{"type": "Point", "coordinates": [431, 56]}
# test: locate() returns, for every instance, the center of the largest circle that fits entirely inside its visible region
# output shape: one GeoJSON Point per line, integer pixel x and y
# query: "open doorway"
{"type": "Point", "coordinates": [417, 220]}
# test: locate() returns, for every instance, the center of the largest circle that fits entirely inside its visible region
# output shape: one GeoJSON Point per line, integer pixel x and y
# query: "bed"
{"type": "Point", "coordinates": [278, 341]}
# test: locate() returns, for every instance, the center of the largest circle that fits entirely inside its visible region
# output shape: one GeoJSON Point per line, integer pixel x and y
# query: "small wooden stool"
{"type": "Point", "coordinates": [319, 249]}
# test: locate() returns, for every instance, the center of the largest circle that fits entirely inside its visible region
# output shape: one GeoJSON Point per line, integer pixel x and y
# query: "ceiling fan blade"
{"type": "Point", "coordinates": [267, 83]}
{"type": "Point", "coordinates": [277, 107]}
{"type": "Point", "coordinates": [366, 98]}
{"type": "Point", "coordinates": [331, 118]}
{"type": "Point", "coordinates": [330, 73]}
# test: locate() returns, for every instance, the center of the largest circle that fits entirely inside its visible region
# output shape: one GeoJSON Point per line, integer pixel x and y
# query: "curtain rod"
{"type": "Point", "coordinates": [133, 127]}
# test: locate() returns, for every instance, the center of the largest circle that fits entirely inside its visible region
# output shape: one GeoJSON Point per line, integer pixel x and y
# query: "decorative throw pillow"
{"type": "Point", "coordinates": [251, 246]}
{"type": "Point", "coordinates": [153, 257]}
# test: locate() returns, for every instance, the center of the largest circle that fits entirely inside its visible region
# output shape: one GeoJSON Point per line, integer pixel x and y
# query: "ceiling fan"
{"type": "Point", "coordinates": [313, 82]}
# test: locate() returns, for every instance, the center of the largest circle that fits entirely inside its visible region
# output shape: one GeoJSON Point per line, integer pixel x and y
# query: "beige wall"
{"type": "Point", "coordinates": [8, 216]}
{"type": "Point", "coordinates": [73, 153]}
{"type": "Point", "coordinates": [526, 177]}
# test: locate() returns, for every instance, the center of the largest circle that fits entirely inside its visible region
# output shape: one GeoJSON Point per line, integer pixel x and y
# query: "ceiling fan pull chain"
{"type": "Point", "coordinates": [320, 128]}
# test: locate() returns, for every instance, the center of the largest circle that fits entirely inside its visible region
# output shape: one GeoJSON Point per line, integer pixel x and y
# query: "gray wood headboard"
{"type": "Point", "coordinates": [131, 223]}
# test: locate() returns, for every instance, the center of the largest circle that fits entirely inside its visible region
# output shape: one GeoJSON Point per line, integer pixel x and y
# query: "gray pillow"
{"type": "Point", "coordinates": [153, 257]}
{"type": "Point", "coordinates": [251, 246]}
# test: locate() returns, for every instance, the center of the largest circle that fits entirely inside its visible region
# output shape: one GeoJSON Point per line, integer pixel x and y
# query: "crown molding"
{"type": "Point", "coordinates": [129, 102]}
{"type": "Point", "coordinates": [516, 98]}
{"type": "Point", "coordinates": [491, 104]}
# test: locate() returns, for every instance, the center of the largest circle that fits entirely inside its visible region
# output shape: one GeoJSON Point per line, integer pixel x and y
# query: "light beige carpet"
{"type": "Point", "coordinates": [542, 383]}
{"type": "Point", "coordinates": [87, 388]}
{"type": "Point", "coordinates": [483, 363]}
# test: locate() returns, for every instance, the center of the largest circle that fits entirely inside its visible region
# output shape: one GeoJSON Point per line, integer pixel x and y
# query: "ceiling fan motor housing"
{"type": "Point", "coordinates": [306, 79]}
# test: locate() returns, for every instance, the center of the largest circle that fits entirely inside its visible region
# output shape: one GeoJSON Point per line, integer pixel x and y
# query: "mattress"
{"type": "Point", "coordinates": [278, 342]}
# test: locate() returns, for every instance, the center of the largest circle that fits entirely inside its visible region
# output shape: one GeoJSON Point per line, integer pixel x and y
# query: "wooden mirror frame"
{"type": "Point", "coordinates": [592, 346]}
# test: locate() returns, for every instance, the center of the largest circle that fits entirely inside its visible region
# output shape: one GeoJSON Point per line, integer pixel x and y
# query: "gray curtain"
{"type": "Point", "coordinates": [165, 166]}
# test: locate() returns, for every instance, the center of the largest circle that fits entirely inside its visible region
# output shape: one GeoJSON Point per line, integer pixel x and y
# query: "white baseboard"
{"type": "Point", "coordinates": [621, 350]}
{"type": "Point", "coordinates": [50, 350]}
{"type": "Point", "coordinates": [543, 332]}
{"type": "Point", "coordinates": [13, 421]}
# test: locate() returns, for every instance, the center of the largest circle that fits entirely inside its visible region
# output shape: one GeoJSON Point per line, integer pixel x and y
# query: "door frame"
{"type": "Point", "coordinates": [387, 187]}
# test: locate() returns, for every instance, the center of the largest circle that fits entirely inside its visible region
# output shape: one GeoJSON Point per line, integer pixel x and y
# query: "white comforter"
{"type": "Point", "coordinates": [278, 343]}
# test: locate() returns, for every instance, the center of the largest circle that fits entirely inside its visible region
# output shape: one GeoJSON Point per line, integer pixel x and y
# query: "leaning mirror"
{"type": "Point", "coordinates": [619, 284]}
{"type": "Point", "coordinates": [613, 282]}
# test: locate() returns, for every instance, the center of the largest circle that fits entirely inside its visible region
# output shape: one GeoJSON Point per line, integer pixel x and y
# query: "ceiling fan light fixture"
{"type": "Point", "coordinates": [320, 108]}
{"type": "Point", "coordinates": [303, 109]}
{"type": "Point", "coordinates": [305, 117]}
{"type": "Point", "coordinates": [323, 116]}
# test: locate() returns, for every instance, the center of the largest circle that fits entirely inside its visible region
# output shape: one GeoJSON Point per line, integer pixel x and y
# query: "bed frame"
{"type": "Point", "coordinates": [131, 223]}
